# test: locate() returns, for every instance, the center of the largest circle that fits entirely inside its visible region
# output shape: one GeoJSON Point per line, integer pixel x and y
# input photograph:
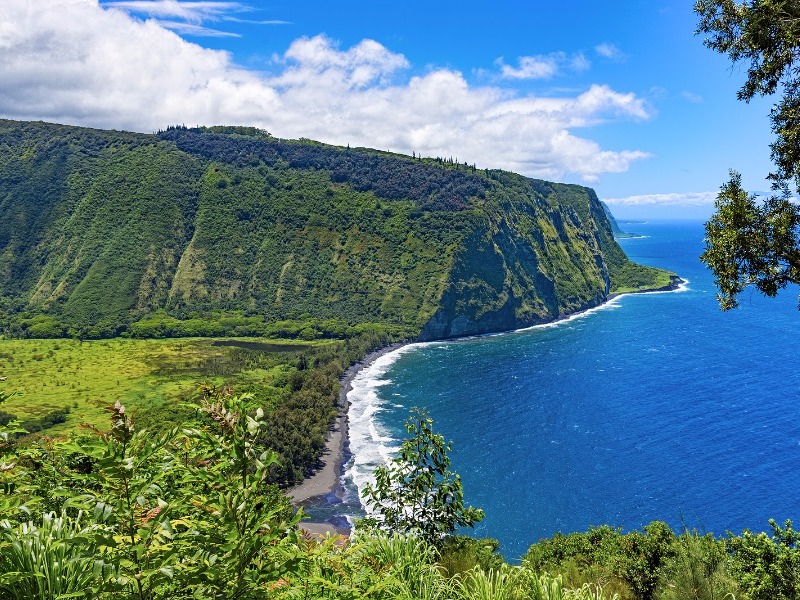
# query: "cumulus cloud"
{"type": "Point", "coordinates": [674, 199]}
{"type": "Point", "coordinates": [77, 62]}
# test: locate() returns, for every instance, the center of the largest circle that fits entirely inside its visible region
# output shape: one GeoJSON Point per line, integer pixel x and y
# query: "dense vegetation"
{"type": "Point", "coordinates": [189, 513]}
{"type": "Point", "coordinates": [66, 384]}
{"type": "Point", "coordinates": [229, 231]}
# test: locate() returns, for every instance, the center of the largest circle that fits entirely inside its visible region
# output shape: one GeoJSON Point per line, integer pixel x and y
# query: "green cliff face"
{"type": "Point", "coordinates": [101, 230]}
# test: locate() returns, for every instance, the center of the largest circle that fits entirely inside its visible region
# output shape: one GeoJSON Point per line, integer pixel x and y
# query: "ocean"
{"type": "Point", "coordinates": [652, 407]}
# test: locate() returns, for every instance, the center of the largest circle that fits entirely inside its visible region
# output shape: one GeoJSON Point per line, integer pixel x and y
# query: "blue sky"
{"type": "Point", "coordinates": [616, 94]}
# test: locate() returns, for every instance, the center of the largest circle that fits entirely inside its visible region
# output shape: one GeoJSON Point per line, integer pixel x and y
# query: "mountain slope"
{"type": "Point", "coordinates": [105, 232]}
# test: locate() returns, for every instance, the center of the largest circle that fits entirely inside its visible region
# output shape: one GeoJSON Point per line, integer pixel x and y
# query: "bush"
{"type": "Point", "coordinates": [631, 563]}
{"type": "Point", "coordinates": [697, 571]}
{"type": "Point", "coordinates": [767, 568]}
{"type": "Point", "coordinates": [416, 494]}
{"type": "Point", "coordinates": [461, 553]}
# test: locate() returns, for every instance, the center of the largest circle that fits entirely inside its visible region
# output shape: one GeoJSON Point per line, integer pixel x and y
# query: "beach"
{"type": "Point", "coordinates": [326, 483]}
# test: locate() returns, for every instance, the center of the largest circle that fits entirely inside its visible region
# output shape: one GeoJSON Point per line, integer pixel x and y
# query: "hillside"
{"type": "Point", "coordinates": [230, 230]}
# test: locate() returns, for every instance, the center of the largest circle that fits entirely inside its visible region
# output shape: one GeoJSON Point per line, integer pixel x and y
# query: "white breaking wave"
{"type": "Point", "coordinates": [608, 305]}
{"type": "Point", "coordinates": [370, 444]}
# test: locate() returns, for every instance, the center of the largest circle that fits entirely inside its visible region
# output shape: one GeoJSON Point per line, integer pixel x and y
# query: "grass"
{"type": "Point", "coordinates": [639, 278]}
{"type": "Point", "coordinates": [147, 376]}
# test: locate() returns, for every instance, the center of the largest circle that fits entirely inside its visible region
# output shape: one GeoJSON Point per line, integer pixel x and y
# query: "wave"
{"type": "Point", "coordinates": [613, 303]}
{"type": "Point", "coordinates": [371, 445]}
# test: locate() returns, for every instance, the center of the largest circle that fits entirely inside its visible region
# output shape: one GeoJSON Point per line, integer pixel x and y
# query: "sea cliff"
{"type": "Point", "coordinates": [229, 230]}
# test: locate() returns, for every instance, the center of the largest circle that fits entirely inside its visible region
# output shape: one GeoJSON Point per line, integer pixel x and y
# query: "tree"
{"type": "Point", "coordinates": [767, 567]}
{"type": "Point", "coordinates": [416, 493]}
{"type": "Point", "coordinates": [750, 243]}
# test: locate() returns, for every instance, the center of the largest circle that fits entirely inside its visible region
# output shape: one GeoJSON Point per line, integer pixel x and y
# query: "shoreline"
{"type": "Point", "coordinates": [326, 483]}
{"type": "Point", "coordinates": [674, 285]}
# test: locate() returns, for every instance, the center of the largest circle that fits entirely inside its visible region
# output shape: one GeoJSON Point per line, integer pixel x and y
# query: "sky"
{"type": "Point", "coordinates": [619, 95]}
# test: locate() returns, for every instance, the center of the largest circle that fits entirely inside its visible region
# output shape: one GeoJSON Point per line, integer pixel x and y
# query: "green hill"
{"type": "Point", "coordinates": [230, 230]}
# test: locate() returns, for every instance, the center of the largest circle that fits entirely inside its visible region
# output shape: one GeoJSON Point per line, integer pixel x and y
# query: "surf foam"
{"type": "Point", "coordinates": [371, 445]}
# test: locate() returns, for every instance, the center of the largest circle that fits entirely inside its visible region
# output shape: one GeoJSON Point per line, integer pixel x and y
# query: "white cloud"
{"type": "Point", "coordinates": [674, 199]}
{"type": "Point", "coordinates": [542, 66]}
{"type": "Point", "coordinates": [191, 29]}
{"type": "Point", "coordinates": [188, 17]}
{"type": "Point", "coordinates": [530, 67]}
{"type": "Point", "coordinates": [579, 63]}
{"type": "Point", "coordinates": [692, 97]}
{"type": "Point", "coordinates": [252, 22]}
{"type": "Point", "coordinates": [196, 11]}
{"type": "Point", "coordinates": [76, 62]}
{"type": "Point", "coordinates": [609, 51]}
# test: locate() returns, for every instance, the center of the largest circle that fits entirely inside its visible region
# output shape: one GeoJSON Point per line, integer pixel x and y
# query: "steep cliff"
{"type": "Point", "coordinates": [229, 230]}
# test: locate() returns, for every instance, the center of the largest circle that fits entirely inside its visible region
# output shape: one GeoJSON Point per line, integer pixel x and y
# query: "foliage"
{"type": "Point", "coordinates": [697, 570]}
{"type": "Point", "coordinates": [607, 556]}
{"type": "Point", "coordinates": [519, 583]}
{"type": "Point", "coordinates": [154, 513]}
{"type": "Point", "coordinates": [239, 522]}
{"type": "Point", "coordinates": [766, 567]}
{"type": "Point", "coordinates": [60, 557]}
{"type": "Point", "coordinates": [63, 382]}
{"type": "Point", "coordinates": [750, 243]}
{"type": "Point", "coordinates": [765, 34]}
{"type": "Point", "coordinates": [392, 177]}
{"type": "Point", "coordinates": [189, 513]}
{"type": "Point", "coordinates": [9, 470]}
{"type": "Point", "coordinates": [416, 493]}
{"type": "Point", "coordinates": [461, 553]}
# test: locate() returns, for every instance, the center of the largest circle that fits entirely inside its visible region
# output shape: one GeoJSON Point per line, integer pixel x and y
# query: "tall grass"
{"type": "Point", "coordinates": [56, 558]}
{"type": "Point", "coordinates": [698, 571]}
{"type": "Point", "coordinates": [519, 583]}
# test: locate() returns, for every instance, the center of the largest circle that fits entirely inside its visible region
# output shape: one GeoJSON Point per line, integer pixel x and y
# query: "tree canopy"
{"type": "Point", "coordinates": [747, 242]}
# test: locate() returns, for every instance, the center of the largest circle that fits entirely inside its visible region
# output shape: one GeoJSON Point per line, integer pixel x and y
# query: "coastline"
{"type": "Point", "coordinates": [674, 285]}
{"type": "Point", "coordinates": [325, 485]}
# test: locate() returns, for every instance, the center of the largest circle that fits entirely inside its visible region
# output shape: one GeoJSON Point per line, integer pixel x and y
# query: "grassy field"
{"type": "Point", "coordinates": [150, 377]}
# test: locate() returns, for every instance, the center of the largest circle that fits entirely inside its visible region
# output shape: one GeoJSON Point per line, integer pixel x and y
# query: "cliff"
{"type": "Point", "coordinates": [230, 230]}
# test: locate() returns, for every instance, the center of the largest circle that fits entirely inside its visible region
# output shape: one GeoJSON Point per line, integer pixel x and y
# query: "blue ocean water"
{"type": "Point", "coordinates": [657, 406]}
